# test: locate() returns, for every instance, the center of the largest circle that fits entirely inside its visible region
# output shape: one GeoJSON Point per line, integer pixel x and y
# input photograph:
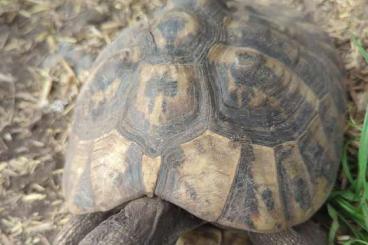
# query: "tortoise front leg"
{"type": "Point", "coordinates": [142, 221]}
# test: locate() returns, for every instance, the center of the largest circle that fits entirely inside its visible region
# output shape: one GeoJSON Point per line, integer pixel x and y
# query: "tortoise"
{"type": "Point", "coordinates": [232, 115]}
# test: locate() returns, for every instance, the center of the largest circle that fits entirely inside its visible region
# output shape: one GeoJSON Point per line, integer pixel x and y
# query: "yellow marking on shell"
{"type": "Point", "coordinates": [206, 174]}
{"type": "Point", "coordinates": [238, 90]}
{"type": "Point", "coordinates": [101, 96]}
{"type": "Point", "coordinates": [290, 81]}
{"type": "Point", "coordinates": [109, 171]}
{"type": "Point", "coordinates": [321, 189]}
{"type": "Point", "coordinates": [150, 170]}
{"type": "Point", "coordinates": [265, 177]}
{"type": "Point", "coordinates": [191, 28]}
{"type": "Point", "coordinates": [181, 104]}
{"type": "Point", "coordinates": [295, 169]}
{"type": "Point", "coordinates": [76, 162]}
{"type": "Point", "coordinates": [229, 55]}
{"type": "Point", "coordinates": [259, 98]}
{"type": "Point", "coordinates": [156, 117]}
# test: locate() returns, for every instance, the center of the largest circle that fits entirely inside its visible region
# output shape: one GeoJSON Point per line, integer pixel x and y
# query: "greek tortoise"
{"type": "Point", "coordinates": [235, 115]}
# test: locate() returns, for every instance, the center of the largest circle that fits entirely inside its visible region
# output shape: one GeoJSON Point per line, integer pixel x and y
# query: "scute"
{"type": "Point", "coordinates": [76, 181]}
{"type": "Point", "coordinates": [209, 157]}
{"type": "Point", "coordinates": [102, 174]}
{"type": "Point", "coordinates": [278, 187]}
{"type": "Point", "coordinates": [332, 122]}
{"type": "Point", "coordinates": [319, 155]}
{"type": "Point", "coordinates": [166, 102]}
{"type": "Point", "coordinates": [296, 189]}
{"type": "Point", "coordinates": [176, 32]}
{"type": "Point", "coordinates": [258, 96]}
{"type": "Point", "coordinates": [181, 36]}
{"type": "Point", "coordinates": [252, 32]}
{"type": "Point", "coordinates": [253, 202]}
{"type": "Point", "coordinates": [103, 97]}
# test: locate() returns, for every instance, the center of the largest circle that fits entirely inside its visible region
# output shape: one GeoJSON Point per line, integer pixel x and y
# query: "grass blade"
{"type": "Point", "coordinates": [345, 165]}
{"type": "Point", "coordinates": [361, 50]}
{"type": "Point", "coordinates": [334, 226]}
{"type": "Point", "coordinates": [363, 155]}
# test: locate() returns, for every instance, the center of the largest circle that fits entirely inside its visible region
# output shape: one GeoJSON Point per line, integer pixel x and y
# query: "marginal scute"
{"type": "Point", "coordinates": [210, 157]}
{"type": "Point", "coordinates": [332, 122]}
{"type": "Point", "coordinates": [102, 99]}
{"type": "Point", "coordinates": [295, 183]}
{"type": "Point", "coordinates": [265, 178]}
{"type": "Point", "coordinates": [77, 164]}
{"type": "Point", "coordinates": [135, 40]}
{"type": "Point", "coordinates": [313, 73]}
{"type": "Point", "coordinates": [320, 159]}
{"type": "Point", "coordinates": [150, 171]}
{"type": "Point", "coordinates": [107, 170]}
{"type": "Point", "coordinates": [254, 201]}
{"type": "Point", "coordinates": [317, 152]}
{"type": "Point", "coordinates": [115, 171]}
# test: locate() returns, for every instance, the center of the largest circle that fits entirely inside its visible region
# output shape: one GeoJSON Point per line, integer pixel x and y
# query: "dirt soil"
{"type": "Point", "coordinates": [46, 48]}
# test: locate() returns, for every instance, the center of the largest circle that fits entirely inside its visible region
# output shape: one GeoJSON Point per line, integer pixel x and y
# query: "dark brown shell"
{"type": "Point", "coordinates": [235, 116]}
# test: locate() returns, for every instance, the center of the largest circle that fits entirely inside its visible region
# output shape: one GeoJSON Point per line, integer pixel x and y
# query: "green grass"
{"type": "Point", "coordinates": [348, 206]}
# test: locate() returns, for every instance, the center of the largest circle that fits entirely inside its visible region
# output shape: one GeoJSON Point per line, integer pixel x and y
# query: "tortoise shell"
{"type": "Point", "coordinates": [234, 115]}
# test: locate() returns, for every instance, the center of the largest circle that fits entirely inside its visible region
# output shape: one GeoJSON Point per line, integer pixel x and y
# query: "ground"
{"type": "Point", "coordinates": [46, 48]}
